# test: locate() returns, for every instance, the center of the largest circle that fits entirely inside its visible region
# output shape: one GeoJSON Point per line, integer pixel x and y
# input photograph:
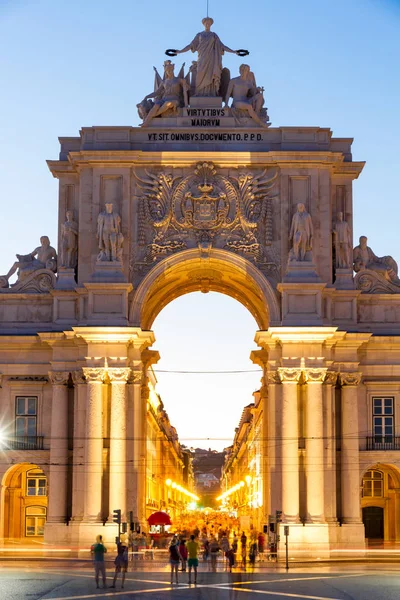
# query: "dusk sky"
{"type": "Point", "coordinates": [68, 65]}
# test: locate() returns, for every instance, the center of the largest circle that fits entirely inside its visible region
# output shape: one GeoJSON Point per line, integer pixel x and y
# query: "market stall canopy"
{"type": "Point", "coordinates": [159, 518]}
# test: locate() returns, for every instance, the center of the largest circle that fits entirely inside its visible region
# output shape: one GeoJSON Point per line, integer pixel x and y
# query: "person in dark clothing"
{"type": "Point", "coordinates": [121, 562]}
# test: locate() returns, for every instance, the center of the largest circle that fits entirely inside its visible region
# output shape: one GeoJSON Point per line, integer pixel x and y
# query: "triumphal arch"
{"type": "Point", "coordinates": [204, 195]}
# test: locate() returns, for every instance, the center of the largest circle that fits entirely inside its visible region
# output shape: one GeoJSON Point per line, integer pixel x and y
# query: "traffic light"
{"type": "Point", "coordinates": [117, 515]}
{"type": "Point", "coordinates": [278, 514]}
{"type": "Point", "coordinates": [272, 527]}
{"type": "Point", "coordinates": [265, 529]}
{"type": "Point", "coordinates": [124, 528]}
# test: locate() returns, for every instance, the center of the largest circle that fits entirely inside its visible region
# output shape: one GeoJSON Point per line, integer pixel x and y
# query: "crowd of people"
{"type": "Point", "coordinates": [186, 547]}
{"type": "Point", "coordinates": [236, 550]}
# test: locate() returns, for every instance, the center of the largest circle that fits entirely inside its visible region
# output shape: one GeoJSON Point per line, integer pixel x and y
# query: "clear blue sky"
{"type": "Point", "coordinates": [64, 65]}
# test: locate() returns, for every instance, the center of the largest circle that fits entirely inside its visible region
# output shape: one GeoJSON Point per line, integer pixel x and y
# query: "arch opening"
{"type": "Point", "coordinates": [23, 502]}
{"type": "Point", "coordinates": [216, 270]}
{"type": "Point", "coordinates": [380, 503]}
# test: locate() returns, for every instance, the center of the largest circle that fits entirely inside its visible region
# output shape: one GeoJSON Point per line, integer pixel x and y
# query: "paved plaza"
{"type": "Point", "coordinates": [72, 581]}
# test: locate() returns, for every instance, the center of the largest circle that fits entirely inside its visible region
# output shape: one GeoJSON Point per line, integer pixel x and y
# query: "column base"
{"type": "Point", "coordinates": [322, 541]}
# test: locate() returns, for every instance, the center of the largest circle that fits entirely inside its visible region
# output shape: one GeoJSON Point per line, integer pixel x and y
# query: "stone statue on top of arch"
{"type": "Point", "coordinates": [210, 50]}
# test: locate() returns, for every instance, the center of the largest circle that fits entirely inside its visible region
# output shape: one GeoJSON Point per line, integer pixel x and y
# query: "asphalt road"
{"type": "Point", "coordinates": [33, 581]}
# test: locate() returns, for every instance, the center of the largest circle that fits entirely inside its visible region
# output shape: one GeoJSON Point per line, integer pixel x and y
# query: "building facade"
{"type": "Point", "coordinates": [201, 197]}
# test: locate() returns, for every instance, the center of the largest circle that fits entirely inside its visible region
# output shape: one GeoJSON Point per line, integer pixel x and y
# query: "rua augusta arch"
{"type": "Point", "coordinates": [205, 195]}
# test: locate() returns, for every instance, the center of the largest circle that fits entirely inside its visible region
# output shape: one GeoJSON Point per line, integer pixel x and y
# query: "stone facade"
{"type": "Point", "coordinates": [202, 197]}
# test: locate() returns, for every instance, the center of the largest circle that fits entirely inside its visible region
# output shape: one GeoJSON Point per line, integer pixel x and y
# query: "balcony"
{"type": "Point", "coordinates": [381, 442]}
{"type": "Point", "coordinates": [23, 442]}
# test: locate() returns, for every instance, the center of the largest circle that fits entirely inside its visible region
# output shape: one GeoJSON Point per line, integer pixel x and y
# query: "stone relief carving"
{"type": "Point", "coordinates": [331, 378]}
{"type": "Point", "coordinates": [343, 242]}
{"type": "Point", "coordinates": [210, 50]}
{"type": "Point", "coordinates": [374, 274]}
{"type": "Point", "coordinates": [109, 235]}
{"type": "Point", "coordinates": [69, 241]}
{"type": "Point", "coordinates": [78, 377]}
{"type": "Point", "coordinates": [119, 374]}
{"type": "Point", "coordinates": [248, 99]}
{"type": "Point", "coordinates": [35, 270]}
{"type": "Point", "coordinates": [350, 378]}
{"type": "Point", "coordinates": [314, 375]}
{"type": "Point", "coordinates": [94, 374]}
{"type": "Point", "coordinates": [171, 93]}
{"type": "Point", "coordinates": [58, 377]}
{"type": "Point", "coordinates": [289, 374]}
{"type": "Point", "coordinates": [301, 235]}
{"type": "Point", "coordinates": [207, 209]}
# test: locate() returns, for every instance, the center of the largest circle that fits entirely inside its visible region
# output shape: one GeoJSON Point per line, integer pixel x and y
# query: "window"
{"type": "Point", "coordinates": [372, 484]}
{"type": "Point", "coordinates": [25, 416]}
{"type": "Point", "coordinates": [35, 519]}
{"type": "Point", "coordinates": [36, 483]}
{"type": "Point", "coordinates": [383, 420]}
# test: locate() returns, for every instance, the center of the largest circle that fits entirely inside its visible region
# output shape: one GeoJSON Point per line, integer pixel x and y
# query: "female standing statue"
{"type": "Point", "coordinates": [209, 64]}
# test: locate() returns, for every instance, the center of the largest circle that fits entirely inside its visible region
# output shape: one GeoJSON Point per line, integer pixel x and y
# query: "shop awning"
{"type": "Point", "coordinates": [159, 518]}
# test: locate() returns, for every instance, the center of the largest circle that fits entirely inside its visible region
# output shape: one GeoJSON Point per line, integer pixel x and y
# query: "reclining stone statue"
{"type": "Point", "coordinates": [42, 257]}
{"type": "Point", "coordinates": [364, 258]}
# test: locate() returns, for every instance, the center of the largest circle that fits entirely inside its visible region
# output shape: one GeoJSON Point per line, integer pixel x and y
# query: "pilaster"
{"type": "Point", "coordinates": [118, 457]}
{"type": "Point", "coordinates": [93, 444]}
{"type": "Point", "coordinates": [58, 471]}
{"type": "Point", "coordinates": [315, 464]}
{"type": "Point", "coordinates": [350, 448]}
{"type": "Point", "coordinates": [78, 464]}
{"type": "Point", "coordinates": [290, 444]}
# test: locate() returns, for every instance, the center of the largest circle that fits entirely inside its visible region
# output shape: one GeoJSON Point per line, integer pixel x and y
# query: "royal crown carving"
{"type": "Point", "coordinates": [204, 208]}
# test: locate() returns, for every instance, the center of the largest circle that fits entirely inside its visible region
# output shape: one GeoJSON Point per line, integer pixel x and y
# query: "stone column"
{"type": "Point", "coordinates": [117, 498]}
{"type": "Point", "coordinates": [58, 471]}
{"type": "Point", "coordinates": [93, 443]}
{"type": "Point", "coordinates": [78, 464]}
{"type": "Point", "coordinates": [350, 449]}
{"type": "Point", "coordinates": [290, 444]}
{"type": "Point", "coordinates": [139, 446]}
{"type": "Point", "coordinates": [330, 442]}
{"type": "Point", "coordinates": [315, 464]}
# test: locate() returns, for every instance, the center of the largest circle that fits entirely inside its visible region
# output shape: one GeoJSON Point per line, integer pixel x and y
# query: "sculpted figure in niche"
{"type": "Point", "coordinates": [364, 258]}
{"type": "Point", "coordinates": [42, 257]}
{"type": "Point", "coordinates": [210, 50]}
{"type": "Point", "coordinates": [69, 241]}
{"type": "Point", "coordinates": [343, 242]}
{"type": "Point", "coordinates": [167, 96]}
{"type": "Point", "coordinates": [246, 96]}
{"type": "Point", "coordinates": [301, 233]}
{"type": "Point", "coordinates": [109, 235]}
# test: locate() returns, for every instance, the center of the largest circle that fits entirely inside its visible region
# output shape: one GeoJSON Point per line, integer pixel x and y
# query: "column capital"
{"type": "Point", "coordinates": [315, 375]}
{"type": "Point", "coordinates": [331, 378]}
{"type": "Point", "coordinates": [289, 374]}
{"type": "Point", "coordinates": [94, 374]}
{"type": "Point", "coordinates": [59, 377]}
{"type": "Point", "coordinates": [350, 379]}
{"type": "Point", "coordinates": [118, 374]}
{"type": "Point", "coordinates": [272, 377]}
{"type": "Point", "coordinates": [135, 376]}
{"type": "Point", "coordinates": [78, 377]}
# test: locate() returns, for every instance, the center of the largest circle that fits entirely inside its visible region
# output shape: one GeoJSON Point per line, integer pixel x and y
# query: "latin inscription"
{"type": "Point", "coordinates": [205, 137]}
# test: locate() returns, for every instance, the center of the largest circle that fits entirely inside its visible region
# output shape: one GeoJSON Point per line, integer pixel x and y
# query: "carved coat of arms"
{"type": "Point", "coordinates": [206, 207]}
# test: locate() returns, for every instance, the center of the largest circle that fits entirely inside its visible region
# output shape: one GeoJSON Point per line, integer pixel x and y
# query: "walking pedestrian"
{"type": "Point", "coordinates": [121, 562]}
{"type": "Point", "coordinates": [98, 550]}
{"type": "Point", "coordinates": [243, 543]}
{"type": "Point", "coordinates": [184, 553]}
{"type": "Point", "coordinates": [193, 551]}
{"type": "Point", "coordinates": [214, 550]}
{"type": "Point", "coordinates": [174, 559]}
